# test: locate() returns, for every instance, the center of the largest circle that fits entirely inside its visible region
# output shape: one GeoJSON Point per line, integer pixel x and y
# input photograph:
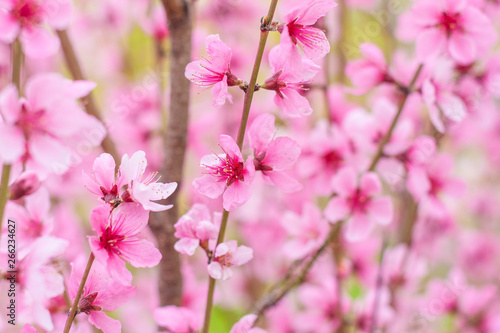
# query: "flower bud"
{"type": "Point", "coordinates": [27, 183]}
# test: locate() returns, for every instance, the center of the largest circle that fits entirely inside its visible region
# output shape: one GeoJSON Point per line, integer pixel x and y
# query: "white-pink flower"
{"type": "Point", "coordinates": [227, 173]}
{"type": "Point", "coordinates": [359, 203]}
{"type": "Point", "coordinates": [215, 72]}
{"type": "Point", "coordinates": [130, 184]}
{"type": "Point", "coordinates": [227, 255]}
{"type": "Point", "coordinates": [273, 156]}
{"type": "Point", "coordinates": [368, 72]}
{"type": "Point", "coordinates": [195, 228]}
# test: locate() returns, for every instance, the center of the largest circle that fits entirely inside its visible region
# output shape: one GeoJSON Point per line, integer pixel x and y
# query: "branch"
{"type": "Point", "coordinates": [278, 292]}
{"type": "Point", "coordinates": [76, 71]}
{"type": "Point", "coordinates": [179, 18]}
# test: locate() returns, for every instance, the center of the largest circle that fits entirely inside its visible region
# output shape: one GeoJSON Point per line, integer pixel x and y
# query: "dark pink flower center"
{"type": "Point", "coordinates": [332, 160]}
{"type": "Point", "coordinates": [27, 12]}
{"type": "Point", "coordinates": [225, 259]}
{"type": "Point", "coordinates": [358, 201]}
{"type": "Point", "coordinates": [33, 228]}
{"type": "Point", "coordinates": [109, 240]}
{"type": "Point", "coordinates": [229, 170]}
{"type": "Point", "coordinates": [450, 21]}
{"type": "Point", "coordinates": [30, 121]}
{"type": "Point", "coordinates": [436, 185]}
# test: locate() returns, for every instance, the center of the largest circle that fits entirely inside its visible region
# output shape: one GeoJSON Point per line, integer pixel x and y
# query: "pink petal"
{"type": "Point", "coordinates": [209, 186]}
{"type": "Point", "coordinates": [100, 253]}
{"type": "Point", "coordinates": [39, 43]}
{"type": "Point", "coordinates": [293, 104]}
{"type": "Point", "coordinates": [359, 227]}
{"type": "Point", "coordinates": [28, 329]}
{"type": "Point", "coordinates": [118, 270]}
{"type": "Point", "coordinates": [282, 153]}
{"type": "Point", "coordinates": [9, 27]}
{"type": "Point", "coordinates": [134, 167]}
{"type": "Point", "coordinates": [220, 94]}
{"type": "Point", "coordinates": [373, 54]}
{"type": "Point", "coordinates": [370, 184]}
{"type": "Point", "coordinates": [219, 53]}
{"type": "Point", "coordinates": [418, 183]}
{"type": "Point", "coordinates": [81, 88]}
{"type": "Point", "coordinates": [10, 106]}
{"type": "Point", "coordinates": [345, 182]}
{"type": "Point", "coordinates": [261, 132]}
{"type": "Point", "coordinates": [430, 42]}
{"type": "Point", "coordinates": [139, 252]}
{"type": "Point", "coordinates": [462, 48]}
{"type": "Point", "coordinates": [58, 13]}
{"type": "Point", "coordinates": [49, 152]}
{"type": "Point", "coordinates": [105, 323]}
{"type": "Point", "coordinates": [313, 42]}
{"type": "Point", "coordinates": [12, 141]}
{"type": "Point", "coordinates": [453, 6]}
{"type": "Point", "coordinates": [229, 146]}
{"type": "Point", "coordinates": [104, 171]}
{"type": "Point", "coordinates": [187, 245]}
{"type": "Point", "coordinates": [453, 107]}
{"type": "Point", "coordinates": [206, 230]}
{"type": "Point", "coordinates": [129, 219]}
{"type": "Point", "coordinates": [215, 270]}
{"type": "Point", "coordinates": [244, 325]}
{"type": "Point", "coordinates": [381, 210]}
{"type": "Point", "coordinates": [38, 204]}
{"type": "Point", "coordinates": [283, 181]}
{"type": "Point", "coordinates": [337, 209]}
{"type": "Point", "coordinates": [236, 195]}
{"type": "Point", "coordinates": [309, 11]}
{"type": "Point", "coordinates": [242, 255]}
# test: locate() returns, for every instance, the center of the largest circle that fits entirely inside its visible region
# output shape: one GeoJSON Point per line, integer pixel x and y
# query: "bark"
{"type": "Point", "coordinates": [179, 16]}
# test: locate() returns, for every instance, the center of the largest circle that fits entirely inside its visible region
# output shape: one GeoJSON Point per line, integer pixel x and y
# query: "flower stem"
{"type": "Point", "coordinates": [239, 140]}
{"type": "Point", "coordinates": [17, 55]}
{"type": "Point", "coordinates": [388, 135]}
{"type": "Point", "coordinates": [294, 280]}
{"type": "Point", "coordinates": [255, 72]}
{"type": "Point", "coordinates": [72, 314]}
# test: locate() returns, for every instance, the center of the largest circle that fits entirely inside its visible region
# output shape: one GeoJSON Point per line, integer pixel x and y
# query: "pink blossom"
{"type": "Point", "coordinates": [325, 152]}
{"type": "Point", "coordinates": [26, 19]}
{"type": "Point", "coordinates": [455, 27]}
{"type": "Point", "coordinates": [273, 156]}
{"type": "Point", "coordinates": [291, 73]}
{"type": "Point", "coordinates": [227, 255]}
{"type": "Point", "coordinates": [370, 71]}
{"type": "Point", "coordinates": [138, 188]}
{"type": "Point", "coordinates": [119, 241]}
{"type": "Point", "coordinates": [215, 72]}
{"type": "Point", "coordinates": [195, 228]}
{"type": "Point", "coordinates": [43, 128]}
{"type": "Point", "coordinates": [298, 26]}
{"type": "Point", "coordinates": [245, 325]}
{"type": "Point", "coordinates": [227, 173]}
{"type": "Point", "coordinates": [99, 294]}
{"type": "Point", "coordinates": [358, 203]}
{"type": "Point", "coordinates": [440, 98]}
{"type": "Point", "coordinates": [177, 319]}
{"type": "Point", "coordinates": [155, 24]}
{"type": "Point", "coordinates": [308, 231]}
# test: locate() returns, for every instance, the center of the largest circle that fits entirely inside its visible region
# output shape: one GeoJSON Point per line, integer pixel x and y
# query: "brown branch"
{"type": "Point", "coordinates": [76, 71]}
{"type": "Point", "coordinates": [179, 16]}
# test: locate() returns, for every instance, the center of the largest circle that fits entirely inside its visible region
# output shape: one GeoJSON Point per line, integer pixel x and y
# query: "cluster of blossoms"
{"type": "Point", "coordinates": [361, 195]}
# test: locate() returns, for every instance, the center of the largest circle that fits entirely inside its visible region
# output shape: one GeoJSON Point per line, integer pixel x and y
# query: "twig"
{"type": "Point", "coordinates": [76, 71]}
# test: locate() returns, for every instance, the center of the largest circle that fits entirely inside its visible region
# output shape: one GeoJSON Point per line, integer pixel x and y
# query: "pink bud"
{"type": "Point", "coordinates": [27, 183]}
